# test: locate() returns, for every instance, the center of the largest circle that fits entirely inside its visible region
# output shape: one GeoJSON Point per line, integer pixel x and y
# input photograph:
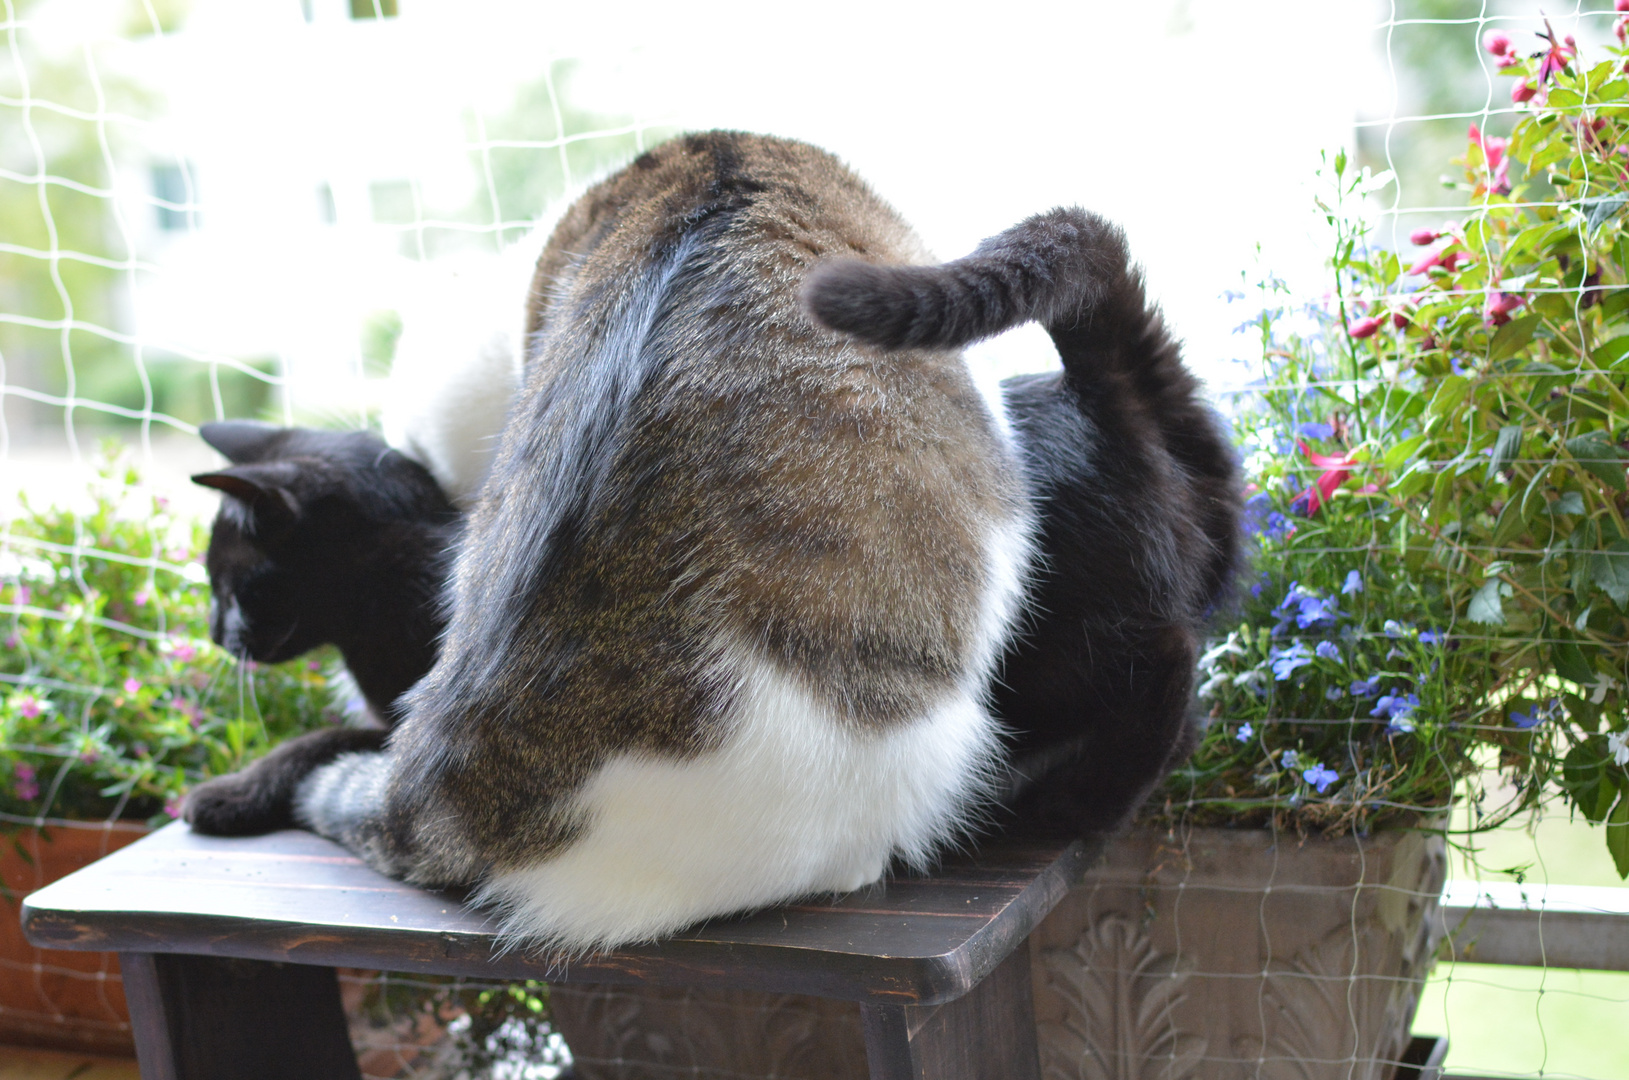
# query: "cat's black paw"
{"type": "Point", "coordinates": [242, 804]}
{"type": "Point", "coordinates": [260, 799]}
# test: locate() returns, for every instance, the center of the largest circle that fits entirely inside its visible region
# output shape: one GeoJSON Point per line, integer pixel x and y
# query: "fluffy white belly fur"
{"type": "Point", "coordinates": [796, 801]}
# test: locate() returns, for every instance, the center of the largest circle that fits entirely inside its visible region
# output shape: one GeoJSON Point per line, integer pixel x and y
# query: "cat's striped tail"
{"type": "Point", "coordinates": [1062, 269]}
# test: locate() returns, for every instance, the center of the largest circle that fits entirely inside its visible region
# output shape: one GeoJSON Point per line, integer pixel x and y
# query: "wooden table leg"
{"type": "Point", "coordinates": [987, 1034]}
{"type": "Point", "coordinates": [205, 1018]}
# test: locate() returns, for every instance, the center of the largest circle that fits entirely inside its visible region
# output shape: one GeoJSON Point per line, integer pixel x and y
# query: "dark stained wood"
{"type": "Point", "coordinates": [292, 896]}
{"type": "Point", "coordinates": [205, 1017]}
{"type": "Point", "coordinates": [986, 1034]}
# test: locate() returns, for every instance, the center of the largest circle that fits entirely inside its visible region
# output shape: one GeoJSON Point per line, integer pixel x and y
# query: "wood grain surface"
{"type": "Point", "coordinates": [293, 896]}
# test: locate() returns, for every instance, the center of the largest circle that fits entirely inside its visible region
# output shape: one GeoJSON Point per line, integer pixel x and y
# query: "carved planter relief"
{"type": "Point", "coordinates": [1218, 954]}
{"type": "Point", "coordinates": [1222, 955]}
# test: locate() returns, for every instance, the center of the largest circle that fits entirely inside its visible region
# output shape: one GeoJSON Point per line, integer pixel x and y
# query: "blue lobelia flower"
{"type": "Point", "coordinates": [1278, 525]}
{"type": "Point", "coordinates": [1290, 759]}
{"type": "Point", "coordinates": [1397, 710]}
{"type": "Point", "coordinates": [1285, 661]}
{"type": "Point", "coordinates": [1307, 608]}
{"type": "Point", "coordinates": [1353, 584]}
{"type": "Point", "coordinates": [1366, 687]}
{"type": "Point", "coordinates": [1256, 509]}
{"type": "Point", "coordinates": [1320, 777]}
{"type": "Point", "coordinates": [1334, 693]}
{"type": "Point", "coordinates": [1246, 732]}
{"type": "Point", "coordinates": [1328, 650]}
{"type": "Point", "coordinates": [1539, 714]}
{"type": "Point", "coordinates": [1394, 628]}
{"type": "Point", "coordinates": [1315, 430]}
{"type": "Point", "coordinates": [1429, 637]}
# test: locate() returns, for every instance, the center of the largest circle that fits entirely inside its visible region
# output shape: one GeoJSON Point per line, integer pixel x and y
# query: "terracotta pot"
{"type": "Point", "coordinates": [49, 997]}
{"type": "Point", "coordinates": [1222, 955]}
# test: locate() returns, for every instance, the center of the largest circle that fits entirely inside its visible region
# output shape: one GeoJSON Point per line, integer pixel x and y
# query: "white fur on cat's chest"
{"type": "Point", "coordinates": [796, 801]}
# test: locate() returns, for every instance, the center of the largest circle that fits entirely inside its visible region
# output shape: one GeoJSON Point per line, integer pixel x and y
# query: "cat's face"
{"type": "Point", "coordinates": [303, 516]}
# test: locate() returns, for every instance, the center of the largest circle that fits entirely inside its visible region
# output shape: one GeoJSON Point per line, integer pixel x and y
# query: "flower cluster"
{"type": "Point", "coordinates": [114, 699]}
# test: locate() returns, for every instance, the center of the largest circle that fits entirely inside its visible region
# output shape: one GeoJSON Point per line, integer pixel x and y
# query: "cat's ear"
{"type": "Point", "coordinates": [240, 440]}
{"type": "Point", "coordinates": [263, 491]}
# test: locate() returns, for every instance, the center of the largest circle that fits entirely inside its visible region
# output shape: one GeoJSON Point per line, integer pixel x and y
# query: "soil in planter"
{"type": "Point", "coordinates": [50, 997]}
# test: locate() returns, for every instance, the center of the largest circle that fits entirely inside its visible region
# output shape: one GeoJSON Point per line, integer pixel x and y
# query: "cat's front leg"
{"type": "Point", "coordinates": [260, 798]}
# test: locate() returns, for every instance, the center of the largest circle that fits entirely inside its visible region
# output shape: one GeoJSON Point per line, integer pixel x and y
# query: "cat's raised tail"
{"type": "Point", "coordinates": [1055, 268]}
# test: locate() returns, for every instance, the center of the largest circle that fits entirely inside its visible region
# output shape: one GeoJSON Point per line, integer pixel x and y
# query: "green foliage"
{"type": "Point", "coordinates": [115, 701]}
{"type": "Point", "coordinates": [1468, 417]}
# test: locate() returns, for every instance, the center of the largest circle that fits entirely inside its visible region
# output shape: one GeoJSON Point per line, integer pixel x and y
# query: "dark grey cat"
{"type": "Point", "coordinates": [725, 619]}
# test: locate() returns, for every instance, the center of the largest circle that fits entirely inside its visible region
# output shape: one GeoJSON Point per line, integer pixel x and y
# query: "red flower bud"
{"type": "Point", "coordinates": [1621, 5]}
{"type": "Point", "coordinates": [1496, 43]}
{"type": "Point", "coordinates": [1422, 237]}
{"type": "Point", "coordinates": [1452, 260]}
{"type": "Point", "coordinates": [1621, 28]}
{"type": "Point", "coordinates": [1507, 60]}
{"type": "Point", "coordinates": [1522, 91]}
{"type": "Point", "coordinates": [1365, 327]}
{"type": "Point", "coordinates": [1399, 319]}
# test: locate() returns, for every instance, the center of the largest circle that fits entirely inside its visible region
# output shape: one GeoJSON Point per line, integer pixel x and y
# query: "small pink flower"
{"type": "Point", "coordinates": [172, 806]}
{"type": "Point", "coordinates": [1507, 60]}
{"type": "Point", "coordinates": [132, 686]}
{"type": "Point", "coordinates": [313, 665]}
{"type": "Point", "coordinates": [183, 652]}
{"type": "Point", "coordinates": [1522, 92]}
{"type": "Point", "coordinates": [1499, 306]}
{"type": "Point", "coordinates": [141, 598]}
{"type": "Point", "coordinates": [24, 784]}
{"type": "Point", "coordinates": [1496, 42]}
{"type": "Point", "coordinates": [12, 641]}
{"type": "Point", "coordinates": [1422, 237]}
{"type": "Point", "coordinates": [30, 706]}
{"type": "Point", "coordinates": [1365, 327]}
{"type": "Point", "coordinates": [162, 501]}
{"type": "Point", "coordinates": [24, 594]}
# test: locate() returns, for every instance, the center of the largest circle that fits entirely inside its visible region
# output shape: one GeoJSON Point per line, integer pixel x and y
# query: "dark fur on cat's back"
{"type": "Point", "coordinates": [323, 538]}
{"type": "Point", "coordinates": [1138, 498]}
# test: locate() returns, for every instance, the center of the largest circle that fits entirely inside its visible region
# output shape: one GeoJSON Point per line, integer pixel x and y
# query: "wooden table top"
{"type": "Point", "coordinates": [294, 896]}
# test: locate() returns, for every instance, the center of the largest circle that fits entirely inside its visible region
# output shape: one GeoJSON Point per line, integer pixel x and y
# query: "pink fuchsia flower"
{"type": "Point", "coordinates": [1365, 327]}
{"type": "Point", "coordinates": [132, 686]}
{"type": "Point", "coordinates": [29, 706]}
{"type": "Point", "coordinates": [1621, 29]}
{"type": "Point", "coordinates": [1399, 319]}
{"type": "Point", "coordinates": [1621, 5]}
{"type": "Point", "coordinates": [1496, 42]}
{"type": "Point", "coordinates": [23, 782]}
{"type": "Point", "coordinates": [1422, 237]}
{"type": "Point", "coordinates": [1493, 154]}
{"type": "Point", "coordinates": [1499, 306]}
{"type": "Point", "coordinates": [1522, 92]}
{"type": "Point", "coordinates": [1337, 470]}
{"type": "Point", "coordinates": [1556, 58]}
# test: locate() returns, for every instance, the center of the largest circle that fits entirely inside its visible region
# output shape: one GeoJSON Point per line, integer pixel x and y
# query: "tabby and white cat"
{"type": "Point", "coordinates": [723, 626]}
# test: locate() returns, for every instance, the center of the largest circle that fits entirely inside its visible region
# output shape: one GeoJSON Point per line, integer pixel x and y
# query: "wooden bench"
{"type": "Point", "coordinates": [228, 948]}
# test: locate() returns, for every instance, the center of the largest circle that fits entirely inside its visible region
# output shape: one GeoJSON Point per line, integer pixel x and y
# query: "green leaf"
{"type": "Point", "coordinates": [1617, 835]}
{"type": "Point", "coordinates": [1610, 569]}
{"type": "Point", "coordinates": [1561, 97]}
{"type": "Point", "coordinates": [1569, 661]}
{"type": "Point", "coordinates": [1512, 337]}
{"type": "Point", "coordinates": [1533, 500]}
{"type": "Point", "coordinates": [1505, 449]}
{"type": "Point", "coordinates": [1611, 353]}
{"type": "Point", "coordinates": [1599, 209]}
{"type": "Point", "coordinates": [1402, 452]}
{"type": "Point", "coordinates": [1486, 607]}
{"type": "Point", "coordinates": [1583, 776]}
{"type": "Point", "coordinates": [1450, 392]}
{"type": "Point", "coordinates": [1570, 503]}
{"type": "Point", "coordinates": [1600, 457]}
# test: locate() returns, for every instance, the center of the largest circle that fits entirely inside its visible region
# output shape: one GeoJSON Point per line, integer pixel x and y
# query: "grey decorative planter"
{"type": "Point", "coordinates": [1214, 954]}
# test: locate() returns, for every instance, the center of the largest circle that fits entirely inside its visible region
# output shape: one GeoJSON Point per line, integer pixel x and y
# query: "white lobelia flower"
{"type": "Point", "coordinates": [1602, 684]}
{"type": "Point", "coordinates": [1618, 743]}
